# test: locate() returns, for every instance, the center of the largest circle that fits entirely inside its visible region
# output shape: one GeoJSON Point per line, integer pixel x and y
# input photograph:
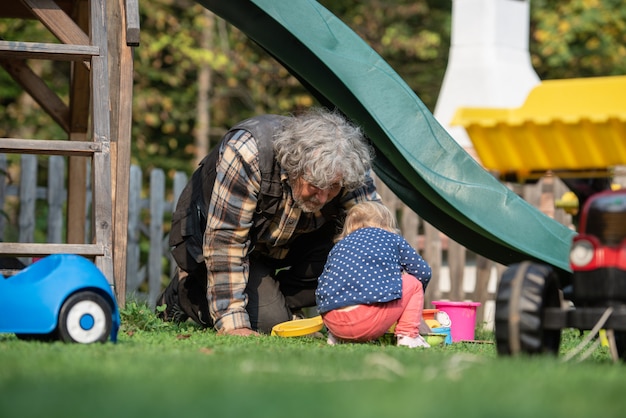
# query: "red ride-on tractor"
{"type": "Point", "coordinates": [534, 302]}
{"type": "Point", "coordinates": [574, 129]}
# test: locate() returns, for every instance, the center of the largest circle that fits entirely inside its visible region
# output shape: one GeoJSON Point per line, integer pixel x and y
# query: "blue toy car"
{"type": "Point", "coordinates": [60, 297]}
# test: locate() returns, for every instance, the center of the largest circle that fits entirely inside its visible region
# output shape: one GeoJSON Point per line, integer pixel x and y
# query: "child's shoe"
{"type": "Point", "coordinates": [412, 342]}
{"type": "Point", "coordinates": [332, 340]}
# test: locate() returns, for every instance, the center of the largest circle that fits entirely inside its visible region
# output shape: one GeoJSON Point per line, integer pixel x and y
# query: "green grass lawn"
{"type": "Point", "coordinates": [164, 370]}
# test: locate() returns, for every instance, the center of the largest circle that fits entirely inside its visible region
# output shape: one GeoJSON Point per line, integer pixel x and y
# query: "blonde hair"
{"type": "Point", "coordinates": [368, 214]}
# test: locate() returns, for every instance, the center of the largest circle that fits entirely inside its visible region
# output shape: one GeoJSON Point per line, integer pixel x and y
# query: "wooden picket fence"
{"type": "Point", "coordinates": [457, 274]}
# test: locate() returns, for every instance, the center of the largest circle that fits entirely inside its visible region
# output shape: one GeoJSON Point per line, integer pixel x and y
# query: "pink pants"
{"type": "Point", "coordinates": [368, 322]}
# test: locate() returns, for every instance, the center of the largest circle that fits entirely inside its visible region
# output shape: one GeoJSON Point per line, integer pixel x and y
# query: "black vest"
{"type": "Point", "coordinates": [190, 217]}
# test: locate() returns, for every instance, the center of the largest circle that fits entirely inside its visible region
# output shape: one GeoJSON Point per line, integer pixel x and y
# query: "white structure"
{"type": "Point", "coordinates": [488, 66]}
{"type": "Point", "coordinates": [489, 62]}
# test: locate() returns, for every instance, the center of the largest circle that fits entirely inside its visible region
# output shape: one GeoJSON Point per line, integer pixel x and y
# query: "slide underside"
{"type": "Point", "coordinates": [415, 156]}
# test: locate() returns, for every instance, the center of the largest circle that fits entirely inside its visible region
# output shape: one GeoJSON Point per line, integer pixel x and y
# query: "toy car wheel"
{"type": "Point", "coordinates": [525, 290]}
{"type": "Point", "coordinates": [85, 318]}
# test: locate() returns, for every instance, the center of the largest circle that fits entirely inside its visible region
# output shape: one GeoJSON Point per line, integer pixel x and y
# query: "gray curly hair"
{"type": "Point", "coordinates": [321, 146]}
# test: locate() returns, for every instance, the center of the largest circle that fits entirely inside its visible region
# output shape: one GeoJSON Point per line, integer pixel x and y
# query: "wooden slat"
{"type": "Point", "coordinates": [101, 163]}
{"type": "Point", "coordinates": [49, 147]}
{"type": "Point", "coordinates": [3, 192]}
{"type": "Point", "coordinates": [481, 287]}
{"type": "Point", "coordinates": [456, 265]}
{"type": "Point", "coordinates": [76, 195]}
{"type": "Point", "coordinates": [132, 22]}
{"type": "Point", "coordinates": [56, 198]}
{"type": "Point", "coordinates": [57, 21]}
{"type": "Point", "coordinates": [80, 89]}
{"type": "Point", "coordinates": [121, 90]}
{"type": "Point", "coordinates": [39, 90]}
{"type": "Point", "coordinates": [16, 9]}
{"type": "Point", "coordinates": [28, 187]}
{"type": "Point", "coordinates": [24, 249]}
{"type": "Point", "coordinates": [42, 50]}
{"type": "Point", "coordinates": [180, 181]}
{"type": "Point", "coordinates": [433, 255]}
{"type": "Point", "coordinates": [80, 96]}
{"type": "Point", "coordinates": [157, 199]}
{"type": "Point", "coordinates": [133, 278]}
{"type": "Point", "coordinates": [102, 210]}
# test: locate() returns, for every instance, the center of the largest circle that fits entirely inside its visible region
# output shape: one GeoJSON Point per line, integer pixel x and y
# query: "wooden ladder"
{"type": "Point", "coordinates": [81, 27]}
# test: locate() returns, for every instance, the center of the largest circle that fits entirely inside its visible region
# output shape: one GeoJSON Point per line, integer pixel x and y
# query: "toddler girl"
{"type": "Point", "coordinates": [372, 279]}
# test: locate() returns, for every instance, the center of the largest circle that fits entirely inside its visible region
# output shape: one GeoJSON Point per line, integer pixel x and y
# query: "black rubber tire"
{"type": "Point", "coordinates": [38, 337]}
{"type": "Point", "coordinates": [92, 308]}
{"type": "Point", "coordinates": [620, 343]}
{"type": "Point", "coordinates": [525, 290]}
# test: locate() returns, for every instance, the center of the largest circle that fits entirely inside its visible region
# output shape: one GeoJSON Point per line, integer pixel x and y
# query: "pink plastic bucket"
{"type": "Point", "coordinates": [462, 317]}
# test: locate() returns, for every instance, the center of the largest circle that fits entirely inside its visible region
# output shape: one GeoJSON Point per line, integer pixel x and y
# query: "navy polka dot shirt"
{"type": "Point", "coordinates": [366, 267]}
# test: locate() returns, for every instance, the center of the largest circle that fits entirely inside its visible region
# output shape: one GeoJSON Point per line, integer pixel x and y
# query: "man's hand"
{"type": "Point", "coordinates": [241, 332]}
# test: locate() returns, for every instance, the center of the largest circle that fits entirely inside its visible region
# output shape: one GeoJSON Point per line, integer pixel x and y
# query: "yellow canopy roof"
{"type": "Point", "coordinates": [564, 125]}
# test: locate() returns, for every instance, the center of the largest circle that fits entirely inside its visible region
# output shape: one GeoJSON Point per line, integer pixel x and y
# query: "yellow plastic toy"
{"type": "Point", "coordinates": [298, 327]}
{"type": "Point", "coordinates": [564, 125]}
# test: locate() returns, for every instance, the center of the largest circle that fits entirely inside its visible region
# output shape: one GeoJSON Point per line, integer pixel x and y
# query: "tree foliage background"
{"type": "Point", "coordinates": [187, 54]}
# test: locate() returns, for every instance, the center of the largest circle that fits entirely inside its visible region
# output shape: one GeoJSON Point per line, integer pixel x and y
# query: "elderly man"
{"type": "Point", "coordinates": [253, 227]}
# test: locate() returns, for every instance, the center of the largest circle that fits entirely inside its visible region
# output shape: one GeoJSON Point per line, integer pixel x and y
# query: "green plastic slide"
{"type": "Point", "coordinates": [415, 156]}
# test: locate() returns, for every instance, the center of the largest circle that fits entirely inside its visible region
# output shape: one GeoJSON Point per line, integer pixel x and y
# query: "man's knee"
{"type": "Point", "coordinates": [266, 304]}
{"type": "Point", "coordinates": [269, 316]}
